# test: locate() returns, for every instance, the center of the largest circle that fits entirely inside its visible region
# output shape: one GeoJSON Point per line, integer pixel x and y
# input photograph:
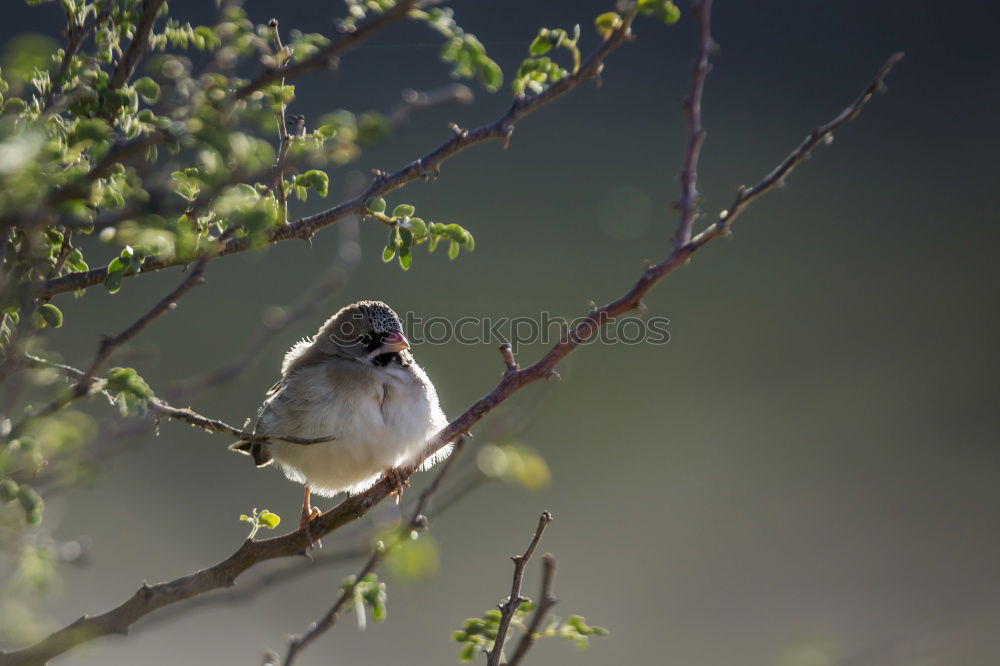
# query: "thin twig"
{"type": "Point", "coordinates": [328, 54]}
{"type": "Point", "coordinates": [284, 141]}
{"type": "Point", "coordinates": [546, 600]}
{"type": "Point", "coordinates": [513, 602]}
{"type": "Point", "coordinates": [427, 165]}
{"type": "Point", "coordinates": [150, 598]}
{"type": "Point", "coordinates": [76, 35]}
{"type": "Point", "coordinates": [688, 203]}
{"type": "Point", "coordinates": [417, 521]}
{"type": "Point", "coordinates": [138, 46]}
{"type": "Point", "coordinates": [162, 409]}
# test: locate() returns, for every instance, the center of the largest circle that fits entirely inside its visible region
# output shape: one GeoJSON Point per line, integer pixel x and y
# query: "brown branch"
{"type": "Point", "coordinates": [64, 252]}
{"type": "Point", "coordinates": [185, 414]}
{"type": "Point", "coordinates": [149, 599]}
{"type": "Point", "coordinates": [162, 409]}
{"type": "Point", "coordinates": [76, 35]}
{"type": "Point", "coordinates": [169, 302]}
{"type": "Point", "coordinates": [137, 48]}
{"type": "Point", "coordinates": [429, 164]}
{"type": "Point", "coordinates": [328, 54]}
{"type": "Point", "coordinates": [417, 521]}
{"type": "Point", "coordinates": [688, 203]}
{"type": "Point", "coordinates": [284, 141]}
{"type": "Point", "coordinates": [546, 600]}
{"type": "Point", "coordinates": [509, 607]}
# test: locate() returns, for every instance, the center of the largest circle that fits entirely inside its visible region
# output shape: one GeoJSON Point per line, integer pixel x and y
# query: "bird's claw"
{"type": "Point", "coordinates": [399, 481]}
{"type": "Point", "coordinates": [309, 514]}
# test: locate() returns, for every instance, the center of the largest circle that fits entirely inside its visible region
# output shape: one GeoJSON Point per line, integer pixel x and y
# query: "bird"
{"type": "Point", "coordinates": [356, 384]}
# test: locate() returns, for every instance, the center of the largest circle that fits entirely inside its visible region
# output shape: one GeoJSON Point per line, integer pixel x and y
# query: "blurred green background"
{"type": "Point", "coordinates": [806, 475]}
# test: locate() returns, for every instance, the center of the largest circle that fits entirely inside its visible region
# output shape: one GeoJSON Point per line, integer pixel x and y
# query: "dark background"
{"type": "Point", "coordinates": [805, 476]}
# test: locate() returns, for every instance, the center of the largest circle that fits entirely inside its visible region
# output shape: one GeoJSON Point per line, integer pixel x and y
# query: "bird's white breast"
{"type": "Point", "coordinates": [380, 416]}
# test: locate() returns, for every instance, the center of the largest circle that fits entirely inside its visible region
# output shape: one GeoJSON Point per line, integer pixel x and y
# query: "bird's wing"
{"type": "Point", "coordinates": [258, 450]}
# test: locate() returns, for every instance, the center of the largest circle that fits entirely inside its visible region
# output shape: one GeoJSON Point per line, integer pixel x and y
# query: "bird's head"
{"type": "Point", "coordinates": [368, 331]}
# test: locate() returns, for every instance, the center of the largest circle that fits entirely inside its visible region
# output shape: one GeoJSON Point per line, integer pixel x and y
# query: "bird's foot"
{"type": "Point", "coordinates": [309, 514]}
{"type": "Point", "coordinates": [398, 480]}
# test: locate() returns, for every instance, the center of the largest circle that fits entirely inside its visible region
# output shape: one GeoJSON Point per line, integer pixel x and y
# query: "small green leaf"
{"type": "Point", "coordinates": [405, 258]}
{"type": "Point", "coordinates": [670, 13]}
{"type": "Point", "coordinates": [403, 210]}
{"type": "Point", "coordinates": [456, 233]}
{"type": "Point", "coordinates": [453, 250]}
{"type": "Point", "coordinates": [268, 519]}
{"type": "Point", "coordinates": [8, 490]}
{"type": "Point", "coordinates": [376, 205]}
{"type": "Point", "coordinates": [607, 23]}
{"type": "Point", "coordinates": [32, 504]}
{"type": "Point", "coordinates": [406, 237]}
{"type": "Point", "coordinates": [467, 653]}
{"type": "Point", "coordinates": [51, 314]}
{"type": "Point", "coordinates": [433, 243]}
{"type": "Point", "coordinates": [418, 226]}
{"type": "Point", "coordinates": [113, 282]}
{"type": "Point", "coordinates": [148, 89]}
{"type": "Point", "coordinates": [470, 242]}
{"type": "Point", "coordinates": [491, 74]}
{"type": "Point", "coordinates": [388, 253]}
{"type": "Point", "coordinates": [541, 44]}
{"type": "Point", "coordinates": [318, 180]}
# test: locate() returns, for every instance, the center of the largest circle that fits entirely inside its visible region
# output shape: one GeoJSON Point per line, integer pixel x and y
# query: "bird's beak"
{"type": "Point", "coordinates": [393, 343]}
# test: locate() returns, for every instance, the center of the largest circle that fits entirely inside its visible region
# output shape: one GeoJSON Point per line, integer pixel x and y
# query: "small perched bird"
{"type": "Point", "coordinates": [355, 381]}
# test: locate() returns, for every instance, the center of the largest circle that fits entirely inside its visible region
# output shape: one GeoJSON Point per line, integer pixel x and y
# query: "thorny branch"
{"type": "Point", "coordinates": [512, 603]}
{"type": "Point", "coordinates": [223, 574]}
{"type": "Point", "coordinates": [426, 166]}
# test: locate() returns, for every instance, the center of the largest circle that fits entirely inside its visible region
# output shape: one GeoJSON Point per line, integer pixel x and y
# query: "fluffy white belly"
{"type": "Point", "coordinates": [374, 431]}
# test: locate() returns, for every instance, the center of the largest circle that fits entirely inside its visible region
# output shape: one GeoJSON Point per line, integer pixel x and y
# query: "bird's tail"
{"type": "Point", "coordinates": [261, 456]}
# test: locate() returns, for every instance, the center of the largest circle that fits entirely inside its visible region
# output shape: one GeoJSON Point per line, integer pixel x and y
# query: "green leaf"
{"type": "Point", "coordinates": [268, 519]}
{"type": "Point", "coordinates": [467, 653]}
{"type": "Point", "coordinates": [32, 504]}
{"type": "Point", "coordinates": [433, 243]}
{"type": "Point", "coordinates": [376, 205]}
{"type": "Point", "coordinates": [541, 44]}
{"type": "Point", "coordinates": [607, 23]}
{"type": "Point", "coordinates": [403, 210]}
{"type": "Point", "coordinates": [670, 13]}
{"type": "Point", "coordinates": [8, 490]}
{"type": "Point", "coordinates": [406, 237]}
{"type": "Point", "coordinates": [405, 258]}
{"type": "Point", "coordinates": [470, 242]}
{"type": "Point", "coordinates": [51, 314]}
{"type": "Point", "coordinates": [491, 74]}
{"type": "Point", "coordinates": [388, 253]}
{"type": "Point", "coordinates": [318, 180]}
{"type": "Point", "coordinates": [113, 282]}
{"type": "Point", "coordinates": [418, 226]}
{"type": "Point", "coordinates": [148, 89]}
{"type": "Point", "coordinates": [453, 250]}
{"type": "Point", "coordinates": [456, 233]}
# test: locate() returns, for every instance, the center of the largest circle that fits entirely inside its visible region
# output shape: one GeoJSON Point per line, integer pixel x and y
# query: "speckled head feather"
{"type": "Point", "coordinates": [349, 333]}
